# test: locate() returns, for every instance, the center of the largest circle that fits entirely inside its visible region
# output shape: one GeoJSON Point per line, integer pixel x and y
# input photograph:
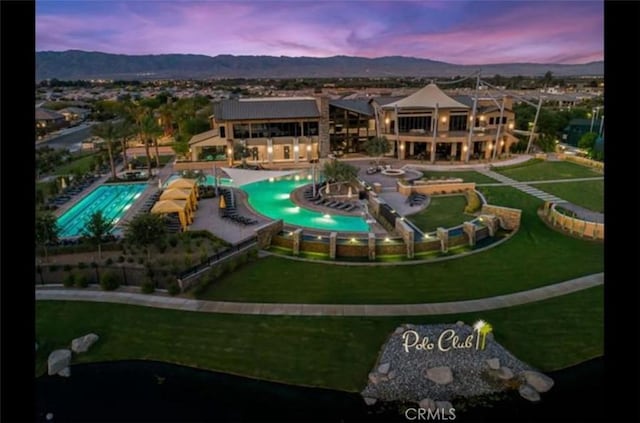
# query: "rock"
{"type": "Point", "coordinates": [66, 372]}
{"type": "Point", "coordinates": [58, 360]}
{"type": "Point", "coordinates": [529, 393]}
{"type": "Point", "coordinates": [82, 344]}
{"type": "Point", "coordinates": [459, 323]}
{"type": "Point", "coordinates": [504, 373]}
{"type": "Point", "coordinates": [427, 404]}
{"type": "Point", "coordinates": [391, 374]}
{"type": "Point", "coordinates": [494, 363]}
{"type": "Point", "coordinates": [399, 330]}
{"type": "Point", "coordinates": [440, 375]}
{"type": "Point", "coordinates": [369, 400]}
{"type": "Point", "coordinates": [445, 406]}
{"type": "Point", "coordinates": [374, 378]}
{"type": "Point", "coordinates": [49, 416]}
{"type": "Point", "coordinates": [409, 326]}
{"type": "Point", "coordinates": [539, 382]}
{"type": "Point", "coordinates": [384, 368]}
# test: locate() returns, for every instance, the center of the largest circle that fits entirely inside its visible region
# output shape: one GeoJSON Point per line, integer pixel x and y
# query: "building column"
{"type": "Point", "coordinates": [454, 149]}
{"type": "Point", "coordinates": [443, 235]}
{"type": "Point", "coordinates": [296, 149]}
{"type": "Point", "coordinates": [410, 149]}
{"type": "Point", "coordinates": [433, 151]}
{"type": "Point", "coordinates": [269, 150]}
{"type": "Point", "coordinates": [470, 229]}
{"type": "Point", "coordinates": [230, 152]}
{"type": "Point", "coordinates": [309, 149]}
{"type": "Point", "coordinates": [297, 236]}
{"type": "Point", "coordinates": [401, 150]}
{"type": "Point", "coordinates": [372, 246]}
{"type": "Point", "coordinates": [487, 149]}
{"type": "Point", "coordinates": [333, 238]}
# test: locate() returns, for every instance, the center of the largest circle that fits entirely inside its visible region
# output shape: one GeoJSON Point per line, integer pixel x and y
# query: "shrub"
{"type": "Point", "coordinates": [473, 202]}
{"type": "Point", "coordinates": [82, 280]}
{"type": "Point", "coordinates": [188, 262]}
{"type": "Point", "coordinates": [82, 265]}
{"type": "Point", "coordinates": [109, 281]}
{"type": "Point", "coordinates": [198, 242]}
{"type": "Point", "coordinates": [252, 254]}
{"type": "Point", "coordinates": [173, 240]}
{"type": "Point", "coordinates": [53, 268]}
{"type": "Point", "coordinates": [130, 260]}
{"type": "Point", "coordinates": [148, 286]}
{"type": "Point", "coordinates": [69, 280]}
{"type": "Point", "coordinates": [94, 265]}
{"type": "Point", "coordinates": [120, 259]}
{"type": "Point", "coordinates": [108, 261]}
{"type": "Point", "coordinates": [140, 260]}
{"type": "Point", "coordinates": [203, 257]}
{"type": "Point", "coordinates": [219, 270]}
{"type": "Point", "coordinates": [173, 288]}
{"type": "Point", "coordinates": [162, 247]}
{"type": "Point", "coordinates": [232, 265]}
{"type": "Point", "coordinates": [67, 267]}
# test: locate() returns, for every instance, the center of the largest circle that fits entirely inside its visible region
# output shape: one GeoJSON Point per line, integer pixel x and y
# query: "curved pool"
{"type": "Point", "coordinates": [271, 198]}
{"type": "Point", "coordinates": [112, 200]}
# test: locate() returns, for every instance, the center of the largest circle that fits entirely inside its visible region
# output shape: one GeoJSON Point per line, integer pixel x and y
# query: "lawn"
{"type": "Point", "coordinates": [469, 176]}
{"type": "Point", "coordinates": [80, 165]}
{"type": "Point", "coordinates": [534, 257]}
{"type": "Point", "coordinates": [443, 212]}
{"type": "Point", "coordinates": [330, 352]}
{"type": "Point", "coordinates": [544, 171]}
{"type": "Point", "coordinates": [589, 194]}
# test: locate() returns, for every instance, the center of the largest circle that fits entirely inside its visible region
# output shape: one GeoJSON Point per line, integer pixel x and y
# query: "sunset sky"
{"type": "Point", "coordinates": [462, 32]}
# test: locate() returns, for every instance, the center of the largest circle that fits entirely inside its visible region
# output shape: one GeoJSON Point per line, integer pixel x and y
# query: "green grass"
{"type": "Point", "coordinates": [82, 164]}
{"type": "Point", "coordinates": [330, 352]}
{"type": "Point", "coordinates": [442, 212]}
{"type": "Point", "coordinates": [544, 170]}
{"type": "Point", "coordinates": [469, 176]}
{"type": "Point", "coordinates": [589, 194]}
{"type": "Point", "coordinates": [534, 257]}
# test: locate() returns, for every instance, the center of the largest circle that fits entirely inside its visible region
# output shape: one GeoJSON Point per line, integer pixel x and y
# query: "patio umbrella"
{"type": "Point", "coordinates": [223, 203]}
{"type": "Point", "coordinates": [63, 183]}
{"type": "Point", "coordinates": [349, 194]}
{"type": "Point", "coordinates": [159, 183]}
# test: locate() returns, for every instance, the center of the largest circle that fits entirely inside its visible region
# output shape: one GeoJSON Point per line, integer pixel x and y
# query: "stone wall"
{"type": "Point", "coordinates": [574, 226]}
{"type": "Point", "coordinates": [407, 234]}
{"type": "Point", "coordinates": [436, 188]}
{"type": "Point", "coordinates": [265, 234]}
{"type": "Point", "coordinates": [314, 247]}
{"type": "Point", "coordinates": [431, 245]}
{"type": "Point", "coordinates": [509, 218]}
{"type": "Point", "coordinates": [323, 130]}
{"type": "Point", "coordinates": [582, 160]}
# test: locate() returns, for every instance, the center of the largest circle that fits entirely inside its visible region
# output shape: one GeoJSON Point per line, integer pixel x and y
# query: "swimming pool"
{"type": "Point", "coordinates": [271, 198]}
{"type": "Point", "coordinates": [112, 200]}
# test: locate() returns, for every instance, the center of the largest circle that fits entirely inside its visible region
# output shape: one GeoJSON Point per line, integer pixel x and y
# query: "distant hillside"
{"type": "Point", "coordinates": [74, 64]}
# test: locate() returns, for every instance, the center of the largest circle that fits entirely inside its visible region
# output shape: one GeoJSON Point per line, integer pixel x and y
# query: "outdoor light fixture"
{"type": "Point", "coordinates": [353, 240]}
{"type": "Point", "coordinates": [295, 148]}
{"type": "Point", "coordinates": [511, 126]}
{"type": "Point", "coordinates": [444, 119]}
{"type": "Point", "coordinates": [490, 146]}
{"type": "Point", "coordinates": [271, 179]}
{"type": "Point", "coordinates": [297, 177]}
{"type": "Point", "coordinates": [327, 216]}
{"type": "Point", "coordinates": [229, 151]}
{"type": "Point", "coordinates": [309, 147]}
{"type": "Point", "coordinates": [401, 146]}
{"type": "Point", "coordinates": [387, 240]}
{"type": "Point", "coordinates": [319, 237]}
{"type": "Point", "coordinates": [387, 121]}
{"type": "Point", "coordinates": [481, 118]}
{"type": "Point", "coordinates": [464, 148]}
{"type": "Point", "coordinates": [502, 143]}
{"type": "Point", "coordinates": [269, 149]}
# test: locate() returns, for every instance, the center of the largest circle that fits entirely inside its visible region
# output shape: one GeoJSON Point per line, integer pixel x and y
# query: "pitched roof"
{"type": "Point", "coordinates": [267, 108]}
{"type": "Point", "coordinates": [428, 97]}
{"type": "Point", "coordinates": [211, 133]}
{"type": "Point", "coordinates": [384, 100]}
{"type": "Point", "coordinates": [46, 114]}
{"type": "Point", "coordinates": [359, 106]}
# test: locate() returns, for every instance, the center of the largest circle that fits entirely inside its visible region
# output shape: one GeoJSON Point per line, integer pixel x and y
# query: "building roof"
{"type": "Point", "coordinates": [202, 136]}
{"type": "Point", "coordinates": [428, 97]}
{"type": "Point", "coordinates": [46, 114]}
{"type": "Point", "coordinates": [75, 110]}
{"type": "Point", "coordinates": [384, 100]}
{"type": "Point", "coordinates": [359, 106]}
{"type": "Point", "coordinates": [267, 108]}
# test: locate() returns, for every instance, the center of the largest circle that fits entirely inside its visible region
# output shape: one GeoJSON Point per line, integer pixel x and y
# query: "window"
{"type": "Point", "coordinates": [240, 130]}
{"type": "Point", "coordinates": [413, 123]}
{"type": "Point", "coordinates": [311, 128]}
{"type": "Point", "coordinates": [222, 131]}
{"type": "Point", "coordinates": [259, 130]}
{"type": "Point", "coordinates": [491, 120]}
{"type": "Point", "coordinates": [458, 122]}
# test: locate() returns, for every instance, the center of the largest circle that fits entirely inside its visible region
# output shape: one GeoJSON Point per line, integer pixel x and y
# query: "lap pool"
{"type": "Point", "coordinates": [112, 200]}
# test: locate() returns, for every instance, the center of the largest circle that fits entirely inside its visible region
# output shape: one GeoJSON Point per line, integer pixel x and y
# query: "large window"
{"type": "Point", "coordinates": [458, 123]}
{"type": "Point", "coordinates": [240, 130]}
{"type": "Point", "coordinates": [259, 130]}
{"type": "Point", "coordinates": [414, 123]}
{"type": "Point", "coordinates": [310, 128]}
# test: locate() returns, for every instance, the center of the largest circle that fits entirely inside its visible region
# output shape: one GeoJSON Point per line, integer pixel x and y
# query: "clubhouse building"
{"type": "Point", "coordinates": [427, 125]}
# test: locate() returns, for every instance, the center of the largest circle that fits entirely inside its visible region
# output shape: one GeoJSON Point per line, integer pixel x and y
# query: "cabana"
{"type": "Point", "coordinates": [181, 194]}
{"type": "Point", "coordinates": [185, 183]}
{"type": "Point", "coordinates": [175, 206]}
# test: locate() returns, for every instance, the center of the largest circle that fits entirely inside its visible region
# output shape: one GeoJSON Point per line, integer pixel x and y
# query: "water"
{"type": "Point", "coordinates": [141, 391]}
{"type": "Point", "coordinates": [112, 200]}
{"type": "Point", "coordinates": [271, 198]}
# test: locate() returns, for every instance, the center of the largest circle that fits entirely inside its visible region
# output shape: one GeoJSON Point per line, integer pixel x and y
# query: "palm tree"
{"type": "Point", "coordinates": [124, 129]}
{"type": "Point", "coordinates": [107, 131]}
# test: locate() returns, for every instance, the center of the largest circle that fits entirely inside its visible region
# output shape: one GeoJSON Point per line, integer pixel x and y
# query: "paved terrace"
{"type": "Point", "coordinates": [185, 304]}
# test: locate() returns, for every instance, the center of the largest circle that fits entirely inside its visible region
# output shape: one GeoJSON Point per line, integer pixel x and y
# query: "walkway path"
{"type": "Point", "coordinates": [184, 304]}
{"type": "Point", "coordinates": [521, 186]}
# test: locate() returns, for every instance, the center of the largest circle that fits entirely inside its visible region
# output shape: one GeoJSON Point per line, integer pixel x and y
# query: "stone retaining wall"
{"type": "Point", "coordinates": [509, 218]}
{"type": "Point", "coordinates": [574, 226]}
{"type": "Point", "coordinates": [266, 233]}
{"type": "Point", "coordinates": [436, 188]}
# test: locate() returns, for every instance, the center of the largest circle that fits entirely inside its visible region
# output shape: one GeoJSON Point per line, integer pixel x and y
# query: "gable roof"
{"type": "Point", "coordinates": [46, 114]}
{"type": "Point", "coordinates": [427, 97]}
{"type": "Point", "coordinates": [359, 106]}
{"type": "Point", "coordinates": [267, 108]}
{"type": "Point", "coordinates": [211, 133]}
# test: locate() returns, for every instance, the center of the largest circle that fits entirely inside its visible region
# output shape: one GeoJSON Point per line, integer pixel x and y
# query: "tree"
{"type": "Point", "coordinates": [124, 129]}
{"type": "Point", "coordinates": [547, 78]}
{"type": "Point", "coordinates": [108, 132]}
{"type": "Point", "coordinates": [339, 172]}
{"type": "Point", "coordinates": [47, 230]}
{"type": "Point", "coordinates": [546, 143]}
{"type": "Point", "coordinates": [145, 230]}
{"type": "Point", "coordinates": [377, 147]}
{"type": "Point", "coordinates": [150, 131]}
{"type": "Point", "coordinates": [96, 229]}
{"type": "Point", "coordinates": [588, 141]}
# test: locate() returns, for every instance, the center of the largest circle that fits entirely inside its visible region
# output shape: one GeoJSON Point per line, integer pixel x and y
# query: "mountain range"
{"type": "Point", "coordinates": [75, 64]}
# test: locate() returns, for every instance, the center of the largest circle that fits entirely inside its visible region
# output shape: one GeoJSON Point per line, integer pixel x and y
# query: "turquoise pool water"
{"type": "Point", "coordinates": [112, 200]}
{"type": "Point", "coordinates": [271, 198]}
